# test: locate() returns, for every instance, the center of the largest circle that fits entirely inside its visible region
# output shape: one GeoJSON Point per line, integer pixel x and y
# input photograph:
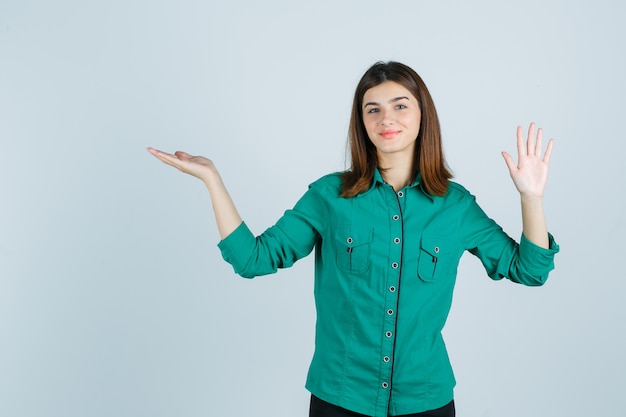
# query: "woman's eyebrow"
{"type": "Point", "coordinates": [393, 100]}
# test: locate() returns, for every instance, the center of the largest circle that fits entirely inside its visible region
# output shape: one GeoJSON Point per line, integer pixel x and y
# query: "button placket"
{"type": "Point", "coordinates": [392, 289]}
{"type": "Point", "coordinates": [390, 322]}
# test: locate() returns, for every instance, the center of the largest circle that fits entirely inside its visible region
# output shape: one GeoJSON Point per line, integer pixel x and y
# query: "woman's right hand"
{"type": "Point", "coordinates": [198, 166]}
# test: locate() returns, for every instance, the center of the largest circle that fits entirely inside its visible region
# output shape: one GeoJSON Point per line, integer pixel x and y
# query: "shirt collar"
{"type": "Point", "coordinates": [417, 183]}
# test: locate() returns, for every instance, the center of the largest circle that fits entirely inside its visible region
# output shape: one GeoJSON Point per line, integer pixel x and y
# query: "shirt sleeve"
{"type": "Point", "coordinates": [502, 257]}
{"type": "Point", "coordinates": [292, 237]}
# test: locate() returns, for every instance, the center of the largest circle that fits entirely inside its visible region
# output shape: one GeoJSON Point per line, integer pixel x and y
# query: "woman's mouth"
{"type": "Point", "coordinates": [389, 134]}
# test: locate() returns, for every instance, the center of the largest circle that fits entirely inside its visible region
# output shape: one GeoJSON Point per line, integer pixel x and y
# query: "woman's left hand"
{"type": "Point", "coordinates": [530, 175]}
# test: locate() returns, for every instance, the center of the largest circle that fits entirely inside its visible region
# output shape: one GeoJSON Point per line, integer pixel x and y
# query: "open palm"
{"type": "Point", "coordinates": [198, 166]}
{"type": "Point", "coordinates": [530, 174]}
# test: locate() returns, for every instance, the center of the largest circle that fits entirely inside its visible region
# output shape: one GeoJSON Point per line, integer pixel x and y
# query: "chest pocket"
{"type": "Point", "coordinates": [353, 247]}
{"type": "Point", "coordinates": [434, 258]}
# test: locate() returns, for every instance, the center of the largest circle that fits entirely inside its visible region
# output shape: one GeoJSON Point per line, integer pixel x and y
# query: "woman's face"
{"type": "Point", "coordinates": [392, 116]}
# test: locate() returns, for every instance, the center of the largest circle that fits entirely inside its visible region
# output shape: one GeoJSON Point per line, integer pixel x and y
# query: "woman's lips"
{"type": "Point", "coordinates": [389, 134]}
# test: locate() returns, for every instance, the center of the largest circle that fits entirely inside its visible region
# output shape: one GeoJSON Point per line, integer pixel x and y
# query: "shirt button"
{"type": "Point", "coordinates": [436, 249]}
{"type": "Point", "coordinates": [395, 217]}
{"type": "Point", "coordinates": [384, 385]}
{"type": "Point", "coordinates": [390, 312]}
{"type": "Point", "coordinates": [394, 265]}
{"type": "Point", "coordinates": [386, 359]}
{"type": "Point", "coordinates": [388, 334]}
{"type": "Point", "coordinates": [349, 240]}
{"type": "Point", "coordinates": [400, 194]}
{"type": "Point", "coordinates": [396, 240]}
{"type": "Point", "coordinates": [392, 289]}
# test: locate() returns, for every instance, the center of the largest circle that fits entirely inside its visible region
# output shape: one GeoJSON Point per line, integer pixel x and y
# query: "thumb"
{"type": "Point", "coordinates": [182, 154]}
{"type": "Point", "coordinates": [508, 159]}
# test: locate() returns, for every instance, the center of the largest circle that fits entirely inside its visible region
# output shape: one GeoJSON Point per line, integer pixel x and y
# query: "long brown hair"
{"type": "Point", "coordinates": [428, 158]}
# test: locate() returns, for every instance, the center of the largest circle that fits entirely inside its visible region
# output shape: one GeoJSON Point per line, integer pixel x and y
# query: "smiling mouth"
{"type": "Point", "coordinates": [389, 134]}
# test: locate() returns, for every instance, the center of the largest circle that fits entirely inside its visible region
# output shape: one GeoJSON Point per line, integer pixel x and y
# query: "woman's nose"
{"type": "Point", "coordinates": [386, 118]}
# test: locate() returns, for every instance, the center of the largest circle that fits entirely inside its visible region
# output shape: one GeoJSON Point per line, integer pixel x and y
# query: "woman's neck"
{"type": "Point", "coordinates": [397, 172]}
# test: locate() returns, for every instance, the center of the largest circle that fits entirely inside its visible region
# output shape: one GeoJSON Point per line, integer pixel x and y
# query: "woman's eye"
{"type": "Point", "coordinates": [400, 106]}
{"type": "Point", "coordinates": [372, 111]}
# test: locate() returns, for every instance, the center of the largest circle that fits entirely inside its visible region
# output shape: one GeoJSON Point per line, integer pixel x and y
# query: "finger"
{"type": "Point", "coordinates": [166, 158]}
{"type": "Point", "coordinates": [171, 161]}
{"type": "Point", "coordinates": [157, 152]}
{"type": "Point", "coordinates": [546, 156]}
{"type": "Point", "coordinates": [182, 154]}
{"type": "Point", "coordinates": [152, 150]}
{"type": "Point", "coordinates": [530, 142]}
{"type": "Point", "coordinates": [539, 140]}
{"type": "Point", "coordinates": [520, 143]}
{"type": "Point", "coordinates": [508, 159]}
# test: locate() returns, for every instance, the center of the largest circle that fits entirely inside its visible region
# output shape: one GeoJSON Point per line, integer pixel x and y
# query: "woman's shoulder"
{"type": "Point", "coordinates": [457, 192]}
{"type": "Point", "coordinates": [456, 188]}
{"type": "Point", "coordinates": [330, 181]}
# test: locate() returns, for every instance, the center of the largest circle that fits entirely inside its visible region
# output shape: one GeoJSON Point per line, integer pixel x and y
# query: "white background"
{"type": "Point", "coordinates": [114, 299]}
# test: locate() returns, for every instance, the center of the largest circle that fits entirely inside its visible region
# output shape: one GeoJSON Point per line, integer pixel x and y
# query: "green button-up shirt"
{"type": "Point", "coordinates": [385, 268]}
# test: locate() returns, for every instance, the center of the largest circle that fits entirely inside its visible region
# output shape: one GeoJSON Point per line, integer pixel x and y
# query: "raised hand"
{"type": "Point", "coordinates": [226, 214]}
{"type": "Point", "coordinates": [198, 166]}
{"type": "Point", "coordinates": [530, 175]}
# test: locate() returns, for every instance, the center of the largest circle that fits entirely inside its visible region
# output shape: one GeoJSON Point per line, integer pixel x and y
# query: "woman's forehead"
{"type": "Point", "coordinates": [387, 90]}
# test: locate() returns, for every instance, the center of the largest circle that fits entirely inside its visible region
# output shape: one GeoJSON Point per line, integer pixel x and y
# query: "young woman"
{"type": "Point", "coordinates": [388, 235]}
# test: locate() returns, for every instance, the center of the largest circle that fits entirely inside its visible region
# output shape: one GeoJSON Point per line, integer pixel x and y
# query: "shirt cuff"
{"type": "Point", "coordinates": [541, 259]}
{"type": "Point", "coordinates": [237, 246]}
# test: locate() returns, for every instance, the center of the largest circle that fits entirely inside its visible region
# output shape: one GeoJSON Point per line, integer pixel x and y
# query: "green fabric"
{"type": "Point", "coordinates": [385, 268]}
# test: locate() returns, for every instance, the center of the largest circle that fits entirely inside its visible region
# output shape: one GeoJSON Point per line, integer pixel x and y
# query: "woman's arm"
{"type": "Point", "coordinates": [530, 176]}
{"type": "Point", "coordinates": [226, 214]}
